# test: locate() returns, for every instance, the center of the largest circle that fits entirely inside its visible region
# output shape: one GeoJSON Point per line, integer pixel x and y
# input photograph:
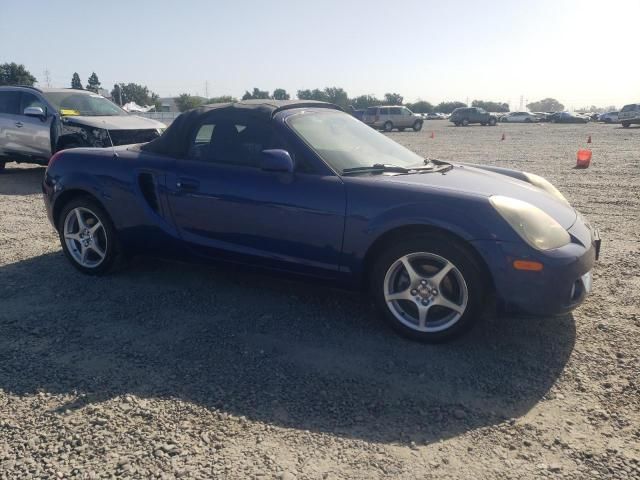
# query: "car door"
{"type": "Point", "coordinates": [9, 131]}
{"type": "Point", "coordinates": [35, 132]}
{"type": "Point", "coordinates": [225, 206]}
{"type": "Point", "coordinates": [396, 117]}
{"type": "Point", "coordinates": [407, 117]}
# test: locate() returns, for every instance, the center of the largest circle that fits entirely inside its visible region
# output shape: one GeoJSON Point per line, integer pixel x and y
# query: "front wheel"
{"type": "Point", "coordinates": [465, 122]}
{"type": "Point", "coordinates": [388, 126]}
{"type": "Point", "coordinates": [428, 288]}
{"type": "Point", "coordinates": [417, 126]}
{"type": "Point", "coordinates": [88, 237]}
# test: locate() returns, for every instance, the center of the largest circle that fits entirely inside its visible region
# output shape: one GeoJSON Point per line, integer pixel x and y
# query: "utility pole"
{"type": "Point", "coordinates": [206, 88]}
{"type": "Point", "coordinates": [47, 77]}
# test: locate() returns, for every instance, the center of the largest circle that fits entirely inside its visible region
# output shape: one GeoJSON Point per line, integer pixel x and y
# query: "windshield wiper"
{"type": "Point", "coordinates": [376, 168]}
{"type": "Point", "coordinates": [434, 162]}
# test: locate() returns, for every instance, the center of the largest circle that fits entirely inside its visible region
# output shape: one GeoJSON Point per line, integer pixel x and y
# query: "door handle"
{"type": "Point", "coordinates": [187, 184]}
{"type": "Point", "coordinates": [19, 124]}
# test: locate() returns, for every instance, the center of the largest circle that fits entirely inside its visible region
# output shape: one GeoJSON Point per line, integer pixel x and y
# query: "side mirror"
{"type": "Point", "coordinates": [34, 112]}
{"type": "Point", "coordinates": [276, 161]}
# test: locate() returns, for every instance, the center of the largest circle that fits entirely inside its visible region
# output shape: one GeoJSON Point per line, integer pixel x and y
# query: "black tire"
{"type": "Point", "coordinates": [2, 165]}
{"type": "Point", "coordinates": [401, 129]}
{"type": "Point", "coordinates": [387, 127]}
{"type": "Point", "coordinates": [626, 124]}
{"type": "Point", "coordinates": [112, 250]}
{"type": "Point", "coordinates": [417, 126]}
{"type": "Point", "coordinates": [492, 122]}
{"type": "Point", "coordinates": [454, 252]}
{"type": "Point", "coordinates": [484, 124]}
{"type": "Point", "coordinates": [465, 123]}
{"type": "Point", "coordinates": [457, 124]}
{"type": "Point", "coordinates": [527, 120]}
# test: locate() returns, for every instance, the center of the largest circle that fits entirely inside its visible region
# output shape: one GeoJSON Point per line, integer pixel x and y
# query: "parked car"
{"type": "Point", "coordinates": [609, 117]}
{"type": "Point", "coordinates": [435, 116]}
{"type": "Point", "coordinates": [468, 115]}
{"type": "Point", "coordinates": [629, 114]}
{"type": "Point", "coordinates": [520, 117]}
{"type": "Point", "coordinates": [304, 188]}
{"type": "Point", "coordinates": [34, 123]}
{"type": "Point", "coordinates": [388, 118]}
{"type": "Point", "coordinates": [566, 117]}
{"type": "Point", "coordinates": [542, 116]}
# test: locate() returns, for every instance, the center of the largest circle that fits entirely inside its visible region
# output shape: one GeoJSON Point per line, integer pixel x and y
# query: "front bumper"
{"type": "Point", "coordinates": [562, 285]}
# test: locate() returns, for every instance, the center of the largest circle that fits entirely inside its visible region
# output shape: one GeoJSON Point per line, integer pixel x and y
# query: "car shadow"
{"type": "Point", "coordinates": [21, 180]}
{"type": "Point", "coordinates": [281, 352]}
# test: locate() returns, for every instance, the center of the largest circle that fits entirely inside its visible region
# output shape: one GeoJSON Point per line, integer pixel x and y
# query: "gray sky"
{"type": "Point", "coordinates": [580, 52]}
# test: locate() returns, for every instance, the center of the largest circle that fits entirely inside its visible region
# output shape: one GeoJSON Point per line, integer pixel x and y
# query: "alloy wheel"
{"type": "Point", "coordinates": [85, 237]}
{"type": "Point", "coordinates": [425, 292]}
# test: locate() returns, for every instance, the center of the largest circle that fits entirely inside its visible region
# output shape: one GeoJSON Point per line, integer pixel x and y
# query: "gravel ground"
{"type": "Point", "coordinates": [168, 370]}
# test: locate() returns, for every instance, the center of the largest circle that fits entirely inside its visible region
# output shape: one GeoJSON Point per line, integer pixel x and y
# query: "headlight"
{"type": "Point", "coordinates": [532, 224]}
{"type": "Point", "coordinates": [544, 184]}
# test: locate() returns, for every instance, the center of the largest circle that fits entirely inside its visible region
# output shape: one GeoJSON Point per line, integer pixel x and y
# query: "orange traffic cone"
{"type": "Point", "coordinates": [583, 158]}
{"type": "Point", "coordinates": [589, 139]}
{"type": "Point", "coordinates": [503, 137]}
{"type": "Point", "coordinates": [433, 135]}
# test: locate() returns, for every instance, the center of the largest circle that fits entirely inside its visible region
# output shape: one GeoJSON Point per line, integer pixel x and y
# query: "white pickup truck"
{"type": "Point", "coordinates": [629, 114]}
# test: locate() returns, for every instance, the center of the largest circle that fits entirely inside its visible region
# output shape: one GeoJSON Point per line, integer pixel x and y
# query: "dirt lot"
{"type": "Point", "coordinates": [168, 370]}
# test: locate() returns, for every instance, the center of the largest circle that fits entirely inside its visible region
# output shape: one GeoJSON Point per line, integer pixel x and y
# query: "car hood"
{"type": "Point", "coordinates": [123, 122]}
{"type": "Point", "coordinates": [472, 180]}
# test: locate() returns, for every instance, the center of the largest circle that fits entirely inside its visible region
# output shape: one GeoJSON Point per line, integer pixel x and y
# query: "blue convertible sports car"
{"type": "Point", "coordinates": [304, 188]}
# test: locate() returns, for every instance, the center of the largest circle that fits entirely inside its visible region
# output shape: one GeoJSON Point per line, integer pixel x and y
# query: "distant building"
{"type": "Point", "coordinates": [168, 104]}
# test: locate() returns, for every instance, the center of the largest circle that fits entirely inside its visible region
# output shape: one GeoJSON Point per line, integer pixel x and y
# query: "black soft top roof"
{"type": "Point", "coordinates": [175, 140]}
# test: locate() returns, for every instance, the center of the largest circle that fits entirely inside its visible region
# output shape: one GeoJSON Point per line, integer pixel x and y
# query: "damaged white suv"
{"type": "Point", "coordinates": [36, 123]}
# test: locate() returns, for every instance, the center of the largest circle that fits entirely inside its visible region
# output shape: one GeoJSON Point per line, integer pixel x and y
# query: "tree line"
{"type": "Point", "coordinates": [122, 93]}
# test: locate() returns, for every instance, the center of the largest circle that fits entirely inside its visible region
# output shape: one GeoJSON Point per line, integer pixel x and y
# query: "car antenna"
{"type": "Point", "coordinates": [113, 148]}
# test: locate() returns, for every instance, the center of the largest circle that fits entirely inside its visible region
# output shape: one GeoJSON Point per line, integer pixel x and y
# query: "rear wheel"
{"type": "Point", "coordinates": [428, 288]}
{"type": "Point", "coordinates": [87, 236]}
{"type": "Point", "coordinates": [388, 126]}
{"type": "Point", "coordinates": [492, 122]}
{"type": "Point", "coordinates": [626, 124]}
{"type": "Point", "coordinates": [465, 122]}
{"type": "Point", "coordinates": [417, 126]}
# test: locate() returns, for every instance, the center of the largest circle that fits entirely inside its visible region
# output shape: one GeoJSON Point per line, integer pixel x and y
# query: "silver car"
{"type": "Point", "coordinates": [520, 117]}
{"type": "Point", "coordinates": [388, 118]}
{"type": "Point", "coordinates": [36, 123]}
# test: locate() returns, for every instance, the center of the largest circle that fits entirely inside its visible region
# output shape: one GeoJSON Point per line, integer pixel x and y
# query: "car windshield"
{"type": "Point", "coordinates": [73, 103]}
{"type": "Point", "coordinates": [346, 143]}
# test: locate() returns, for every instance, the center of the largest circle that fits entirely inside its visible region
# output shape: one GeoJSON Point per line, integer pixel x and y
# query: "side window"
{"type": "Point", "coordinates": [395, 111]}
{"type": "Point", "coordinates": [10, 102]}
{"type": "Point", "coordinates": [30, 100]}
{"type": "Point", "coordinates": [406, 111]}
{"type": "Point", "coordinates": [384, 111]}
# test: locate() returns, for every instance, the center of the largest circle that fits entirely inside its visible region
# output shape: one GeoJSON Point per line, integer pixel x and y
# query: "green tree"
{"type": "Point", "coordinates": [420, 107]}
{"type": "Point", "coordinates": [364, 101]}
{"type": "Point", "coordinates": [546, 105]}
{"type": "Point", "coordinates": [280, 94]}
{"type": "Point", "coordinates": [222, 99]}
{"type": "Point", "coordinates": [187, 102]}
{"type": "Point", "coordinates": [448, 107]}
{"type": "Point", "coordinates": [315, 94]}
{"type": "Point", "coordinates": [337, 96]}
{"type": "Point", "coordinates": [491, 106]}
{"type": "Point", "coordinates": [133, 92]}
{"type": "Point", "coordinates": [14, 74]}
{"type": "Point", "coordinates": [75, 81]}
{"type": "Point", "coordinates": [393, 99]}
{"type": "Point", "coordinates": [257, 94]}
{"type": "Point", "coordinates": [93, 84]}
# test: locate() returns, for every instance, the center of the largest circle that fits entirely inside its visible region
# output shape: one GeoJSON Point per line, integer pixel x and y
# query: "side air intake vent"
{"type": "Point", "coordinates": [148, 188]}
